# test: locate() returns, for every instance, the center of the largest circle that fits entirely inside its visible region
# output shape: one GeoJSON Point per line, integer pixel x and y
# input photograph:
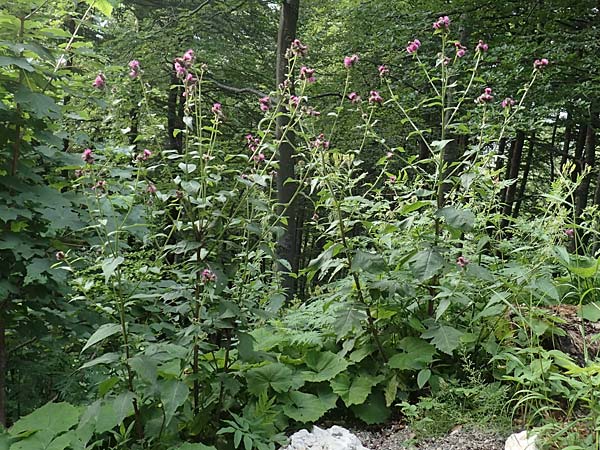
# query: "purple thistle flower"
{"type": "Point", "coordinates": [374, 97]}
{"type": "Point", "coordinates": [539, 64]}
{"type": "Point", "coordinates": [88, 156]}
{"type": "Point", "coordinates": [508, 102]}
{"type": "Point", "coordinates": [353, 97]}
{"type": "Point", "coordinates": [481, 47]}
{"type": "Point", "coordinates": [265, 103]}
{"type": "Point", "coordinates": [99, 81]}
{"type": "Point", "coordinates": [307, 74]}
{"type": "Point", "coordinates": [349, 61]}
{"type": "Point", "coordinates": [383, 71]}
{"type": "Point", "coordinates": [462, 262]}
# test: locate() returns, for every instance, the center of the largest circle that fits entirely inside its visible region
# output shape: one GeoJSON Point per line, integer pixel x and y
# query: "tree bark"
{"type": "Point", "coordinates": [287, 247]}
{"type": "Point", "coordinates": [588, 159]}
{"type": "Point", "coordinates": [526, 170]}
{"type": "Point", "coordinates": [512, 174]}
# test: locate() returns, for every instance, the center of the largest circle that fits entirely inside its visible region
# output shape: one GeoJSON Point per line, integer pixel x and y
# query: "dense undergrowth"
{"type": "Point", "coordinates": [425, 301]}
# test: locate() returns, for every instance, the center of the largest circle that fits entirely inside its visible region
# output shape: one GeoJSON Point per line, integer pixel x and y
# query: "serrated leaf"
{"type": "Point", "coordinates": [325, 364]}
{"type": "Point", "coordinates": [173, 394]}
{"type": "Point", "coordinates": [426, 264]}
{"type": "Point", "coordinates": [354, 390]}
{"type": "Point", "coordinates": [368, 262]}
{"type": "Point", "coordinates": [461, 219]}
{"type": "Point", "coordinates": [304, 407]}
{"type": "Point", "coordinates": [53, 417]}
{"type": "Point", "coordinates": [276, 376]}
{"type": "Point", "coordinates": [445, 338]}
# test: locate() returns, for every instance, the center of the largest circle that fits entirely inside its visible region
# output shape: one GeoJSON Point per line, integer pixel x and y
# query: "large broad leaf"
{"type": "Point", "coordinates": [106, 330]}
{"type": "Point", "coordinates": [354, 390]}
{"type": "Point", "coordinates": [173, 394]}
{"type": "Point", "coordinates": [276, 376]}
{"type": "Point", "coordinates": [325, 364]}
{"type": "Point", "coordinates": [373, 410]}
{"type": "Point", "coordinates": [418, 354]}
{"type": "Point", "coordinates": [19, 62]}
{"type": "Point", "coordinates": [369, 262]}
{"type": "Point", "coordinates": [113, 412]}
{"type": "Point", "coordinates": [53, 417]}
{"type": "Point", "coordinates": [349, 317]}
{"type": "Point", "coordinates": [461, 219]}
{"type": "Point", "coordinates": [426, 264]}
{"type": "Point", "coordinates": [104, 6]}
{"type": "Point", "coordinates": [40, 105]}
{"type": "Point", "coordinates": [304, 407]}
{"type": "Point", "coordinates": [145, 367]}
{"type": "Point", "coordinates": [445, 338]}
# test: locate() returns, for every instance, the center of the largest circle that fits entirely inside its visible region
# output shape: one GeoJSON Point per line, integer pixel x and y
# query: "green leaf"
{"type": "Point", "coordinates": [304, 407]}
{"type": "Point", "coordinates": [196, 446]}
{"type": "Point", "coordinates": [349, 317]}
{"type": "Point", "coordinates": [19, 62]}
{"type": "Point", "coordinates": [107, 358]}
{"type": "Point", "coordinates": [423, 377]}
{"type": "Point", "coordinates": [114, 412]}
{"type": "Point", "coordinates": [425, 264]}
{"type": "Point", "coordinates": [106, 330]}
{"type": "Point", "coordinates": [355, 390]}
{"type": "Point", "coordinates": [369, 262]}
{"type": "Point", "coordinates": [591, 312]}
{"type": "Point", "coordinates": [373, 410]}
{"type": "Point", "coordinates": [173, 394]}
{"type": "Point", "coordinates": [40, 105]}
{"type": "Point", "coordinates": [53, 417]}
{"type": "Point", "coordinates": [276, 376]}
{"type": "Point", "coordinates": [445, 338]}
{"type": "Point", "coordinates": [325, 364]}
{"type": "Point", "coordinates": [461, 219]}
{"type": "Point", "coordinates": [109, 265]}
{"type": "Point", "coordinates": [418, 354]}
{"type": "Point", "coordinates": [145, 367]}
{"type": "Point", "coordinates": [391, 390]}
{"type": "Point", "coordinates": [104, 6]}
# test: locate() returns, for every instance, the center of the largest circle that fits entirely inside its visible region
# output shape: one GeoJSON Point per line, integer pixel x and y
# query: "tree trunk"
{"type": "Point", "coordinates": [512, 174]}
{"type": "Point", "coordinates": [526, 170]}
{"type": "Point", "coordinates": [588, 164]}
{"type": "Point", "coordinates": [287, 247]}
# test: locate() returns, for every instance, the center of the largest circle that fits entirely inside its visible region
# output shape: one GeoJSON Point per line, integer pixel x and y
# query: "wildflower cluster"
{"type": "Point", "coordinates": [99, 81]}
{"type": "Point", "coordinates": [539, 64]}
{"type": "Point", "coordinates": [383, 71]}
{"type": "Point", "coordinates": [265, 103]}
{"type": "Point", "coordinates": [134, 66]}
{"type": "Point", "coordinates": [298, 49]}
{"type": "Point", "coordinates": [508, 102]}
{"type": "Point", "coordinates": [349, 61]}
{"type": "Point", "coordinates": [413, 46]}
{"type": "Point", "coordinates": [307, 74]}
{"type": "Point", "coordinates": [460, 49]}
{"type": "Point", "coordinates": [486, 97]}
{"type": "Point", "coordinates": [481, 47]}
{"type": "Point", "coordinates": [374, 97]}
{"type": "Point", "coordinates": [353, 97]}
{"type": "Point", "coordinates": [442, 22]}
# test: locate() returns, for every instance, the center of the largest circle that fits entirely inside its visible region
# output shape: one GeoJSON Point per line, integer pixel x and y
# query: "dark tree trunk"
{"type": "Point", "coordinates": [526, 170]}
{"type": "Point", "coordinates": [512, 174]}
{"type": "Point", "coordinates": [578, 155]}
{"type": "Point", "coordinates": [500, 153]}
{"type": "Point", "coordinates": [174, 118]}
{"type": "Point", "coordinates": [287, 247]}
{"type": "Point", "coordinates": [588, 164]}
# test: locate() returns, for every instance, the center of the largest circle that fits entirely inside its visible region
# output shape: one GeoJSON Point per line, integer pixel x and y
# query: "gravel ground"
{"type": "Point", "coordinates": [399, 437]}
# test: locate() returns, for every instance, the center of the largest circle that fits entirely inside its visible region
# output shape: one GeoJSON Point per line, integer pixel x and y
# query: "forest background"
{"type": "Point", "coordinates": [223, 220]}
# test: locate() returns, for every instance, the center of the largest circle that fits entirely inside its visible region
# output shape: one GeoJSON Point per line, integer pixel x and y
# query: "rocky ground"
{"type": "Point", "coordinates": [399, 437]}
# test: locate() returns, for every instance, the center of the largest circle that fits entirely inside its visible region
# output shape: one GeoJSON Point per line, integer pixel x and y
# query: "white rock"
{"type": "Point", "coordinates": [335, 438]}
{"type": "Point", "coordinates": [520, 441]}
